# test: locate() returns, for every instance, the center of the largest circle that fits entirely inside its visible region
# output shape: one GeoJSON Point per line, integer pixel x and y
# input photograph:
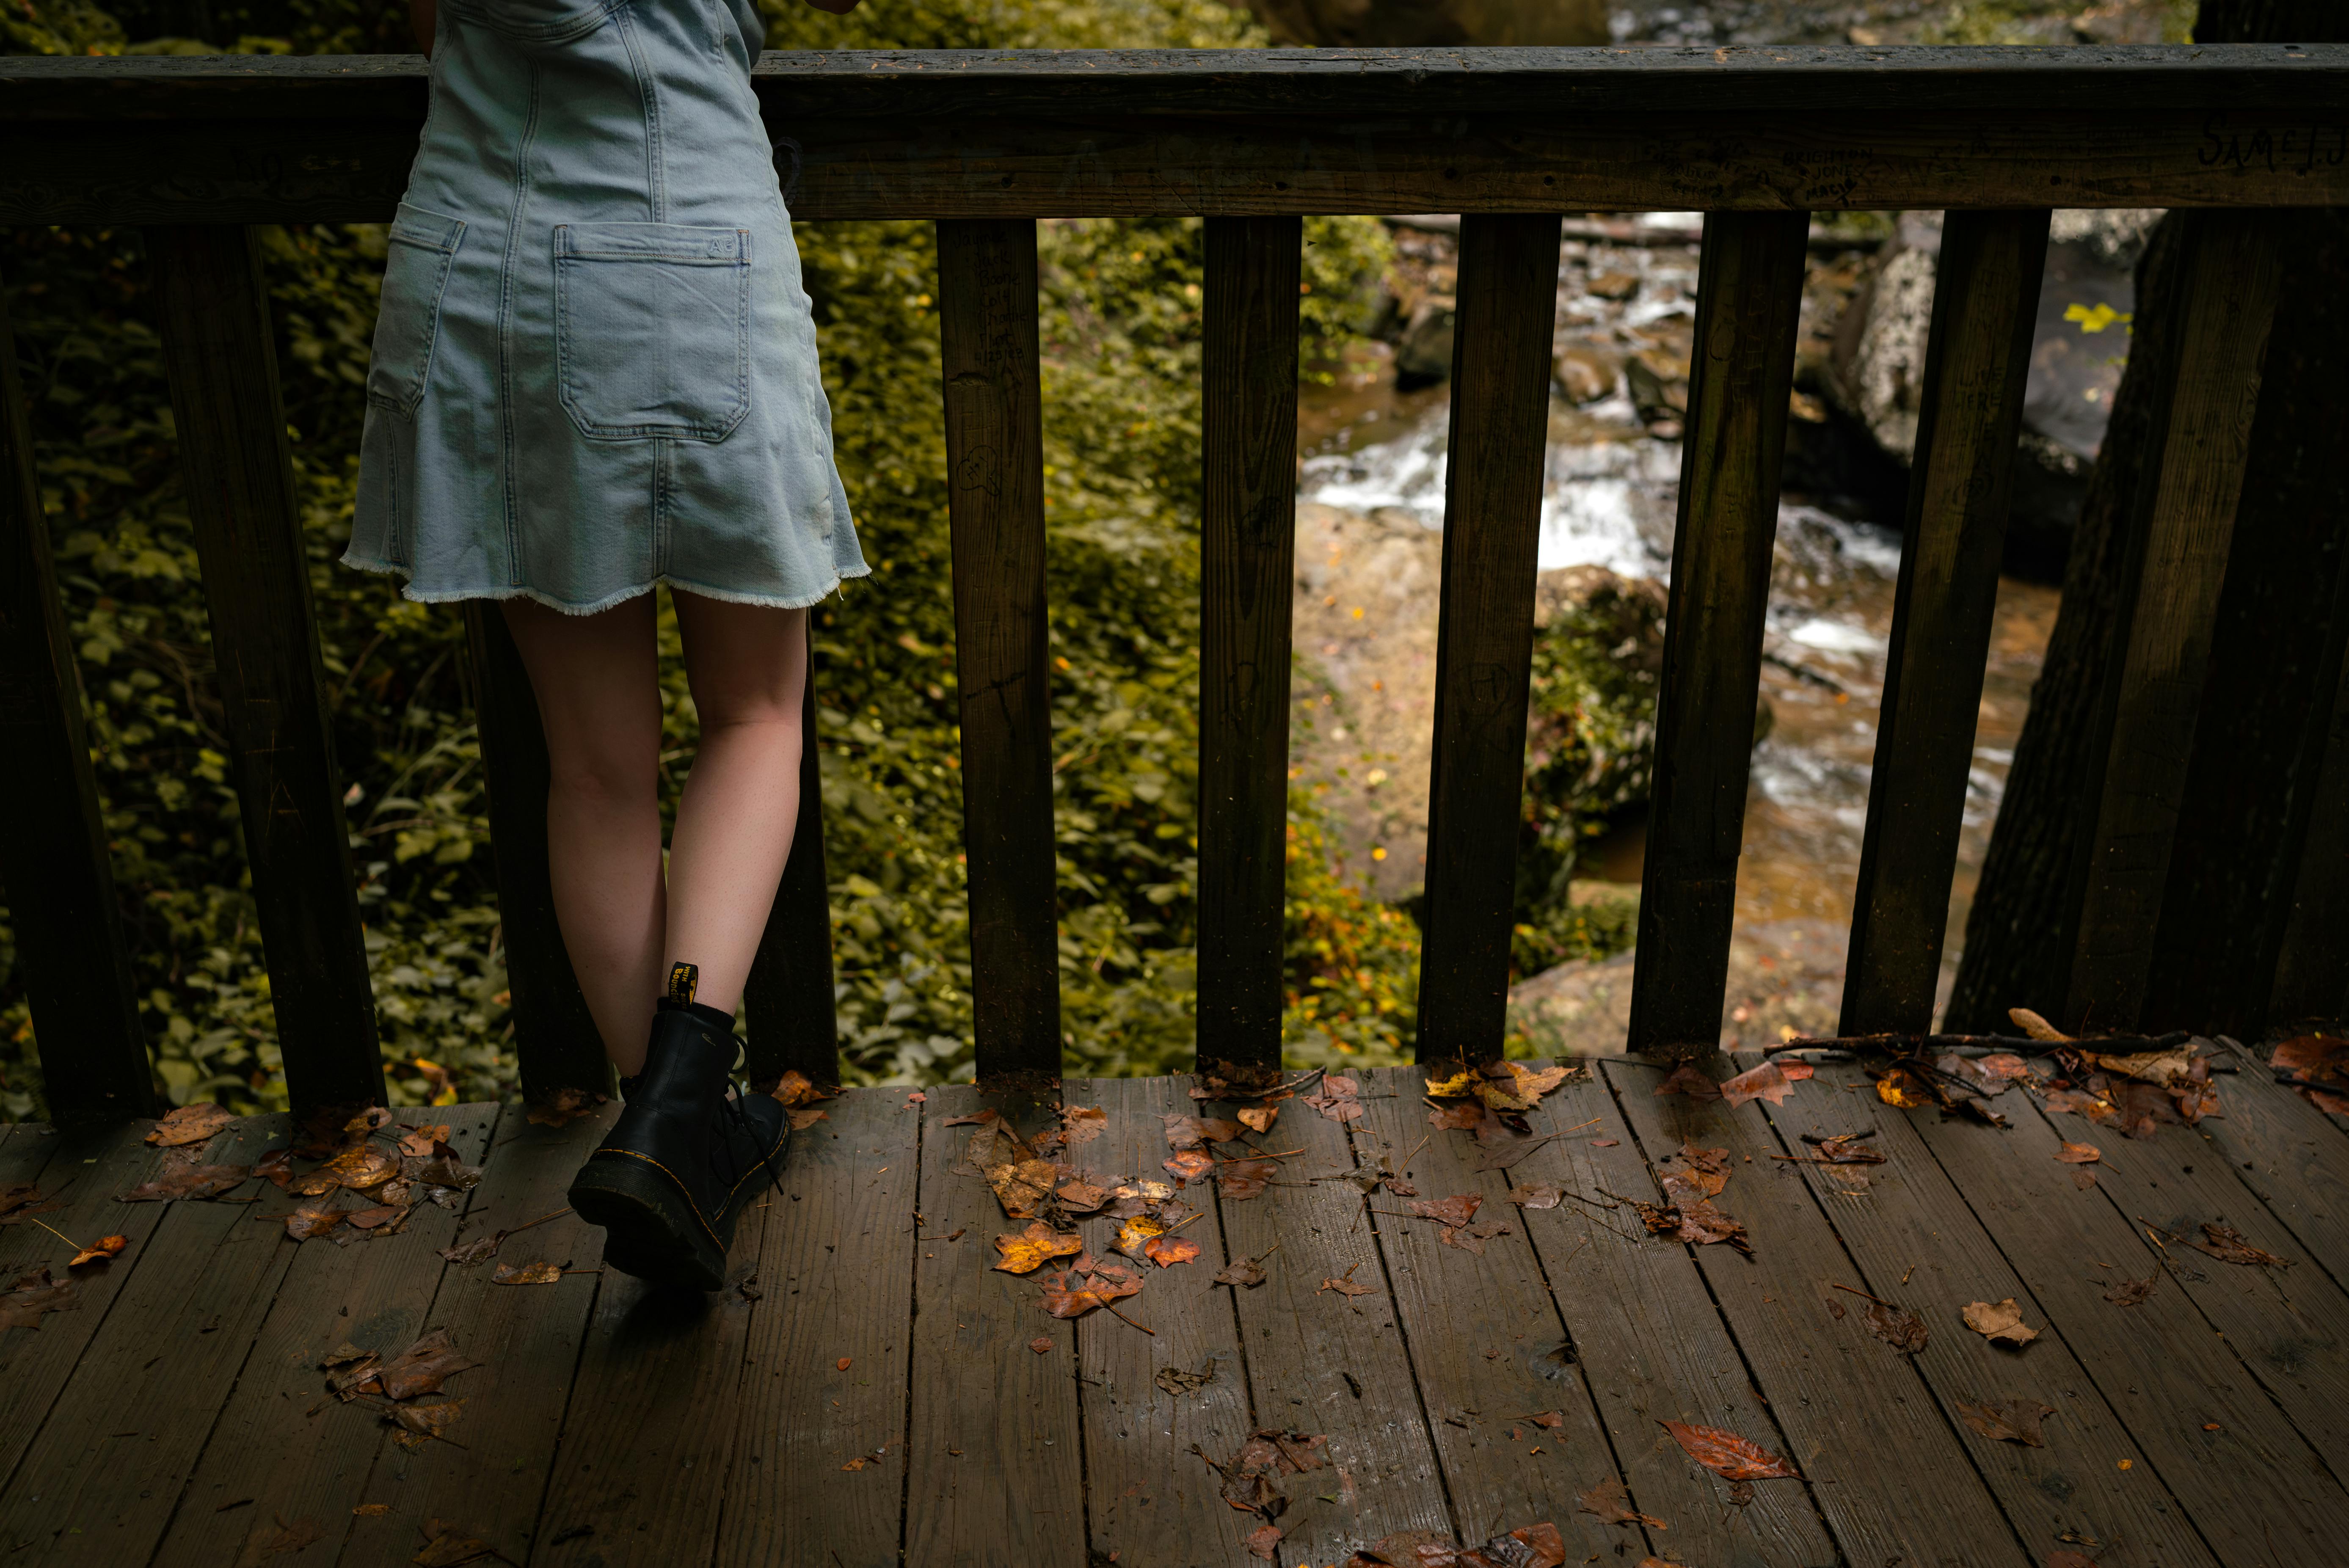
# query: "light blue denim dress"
{"type": "Point", "coordinates": [595, 366]}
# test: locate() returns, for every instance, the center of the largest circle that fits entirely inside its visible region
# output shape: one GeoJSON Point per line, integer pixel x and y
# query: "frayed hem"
{"type": "Point", "coordinates": [415, 595]}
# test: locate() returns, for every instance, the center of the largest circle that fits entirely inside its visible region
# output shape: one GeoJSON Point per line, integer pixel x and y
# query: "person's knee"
{"type": "Point", "coordinates": [767, 722]}
{"type": "Point", "coordinates": [604, 781]}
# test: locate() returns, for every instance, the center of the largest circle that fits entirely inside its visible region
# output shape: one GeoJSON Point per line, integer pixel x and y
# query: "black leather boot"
{"type": "Point", "coordinates": [683, 1160]}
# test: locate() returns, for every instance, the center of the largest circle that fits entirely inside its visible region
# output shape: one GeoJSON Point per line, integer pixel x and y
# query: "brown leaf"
{"type": "Point", "coordinates": [1259, 1117]}
{"type": "Point", "coordinates": [372, 1509]}
{"type": "Point", "coordinates": [802, 1117]}
{"type": "Point", "coordinates": [451, 1547]}
{"type": "Point", "coordinates": [1239, 1179]}
{"type": "Point", "coordinates": [1082, 1124]}
{"type": "Point", "coordinates": [99, 1250]}
{"type": "Point", "coordinates": [858, 1463]}
{"type": "Point", "coordinates": [366, 1165]}
{"type": "Point", "coordinates": [381, 1214]}
{"type": "Point", "coordinates": [189, 1180]}
{"type": "Point", "coordinates": [1246, 1272]}
{"type": "Point", "coordinates": [1471, 1238]}
{"type": "Point", "coordinates": [564, 1107]}
{"type": "Point", "coordinates": [1846, 1149]}
{"type": "Point", "coordinates": [2001, 1324]}
{"type": "Point", "coordinates": [423, 1366]}
{"type": "Point", "coordinates": [1691, 1172]}
{"type": "Point", "coordinates": [2079, 1153]}
{"type": "Point", "coordinates": [276, 1168]}
{"type": "Point", "coordinates": [1134, 1233]}
{"type": "Point", "coordinates": [1904, 1331]}
{"type": "Point", "coordinates": [1032, 1248]}
{"type": "Point", "coordinates": [1166, 1251]}
{"type": "Point", "coordinates": [2083, 1178]}
{"type": "Point", "coordinates": [1457, 1118]}
{"type": "Point", "coordinates": [18, 1195]}
{"type": "Point", "coordinates": [1063, 1301]}
{"type": "Point", "coordinates": [1612, 1503]}
{"type": "Point", "coordinates": [1768, 1081]}
{"type": "Point", "coordinates": [796, 1088]}
{"type": "Point", "coordinates": [420, 1424]}
{"type": "Point", "coordinates": [1454, 1211]}
{"type": "Point", "coordinates": [2132, 1292]}
{"type": "Point", "coordinates": [276, 1537]}
{"type": "Point", "coordinates": [1685, 1079]}
{"type": "Point", "coordinates": [1726, 1454]}
{"type": "Point", "coordinates": [1022, 1186]}
{"type": "Point", "coordinates": [305, 1223]}
{"type": "Point", "coordinates": [480, 1250]}
{"type": "Point", "coordinates": [2007, 1420]}
{"type": "Point", "coordinates": [2227, 1244]}
{"type": "Point", "coordinates": [198, 1123]}
{"type": "Point", "coordinates": [34, 1295]}
{"type": "Point", "coordinates": [1190, 1165]}
{"type": "Point", "coordinates": [1264, 1542]}
{"type": "Point", "coordinates": [1538, 1195]}
{"type": "Point", "coordinates": [1338, 1098]}
{"type": "Point", "coordinates": [1345, 1285]}
{"type": "Point", "coordinates": [2037, 1028]}
{"type": "Point", "coordinates": [1083, 1197]}
{"type": "Point", "coordinates": [1040, 1346]}
{"type": "Point", "coordinates": [974, 1118]}
{"type": "Point", "coordinates": [420, 1141]}
{"type": "Point", "coordinates": [1193, 1131]}
{"type": "Point", "coordinates": [540, 1273]}
{"type": "Point", "coordinates": [1660, 1562]}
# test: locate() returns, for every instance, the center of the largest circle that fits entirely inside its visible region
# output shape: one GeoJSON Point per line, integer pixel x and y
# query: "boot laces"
{"type": "Point", "coordinates": [738, 1120]}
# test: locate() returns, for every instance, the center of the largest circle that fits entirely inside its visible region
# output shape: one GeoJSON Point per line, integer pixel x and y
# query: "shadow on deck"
{"type": "Point", "coordinates": [871, 1392]}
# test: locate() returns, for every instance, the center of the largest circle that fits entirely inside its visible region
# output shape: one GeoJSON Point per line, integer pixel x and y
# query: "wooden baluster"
{"type": "Point", "coordinates": [1976, 361]}
{"type": "Point", "coordinates": [994, 482]}
{"type": "Point", "coordinates": [1484, 651]}
{"type": "Point", "coordinates": [222, 360]}
{"type": "Point", "coordinates": [1247, 549]}
{"type": "Point", "coordinates": [555, 1036]}
{"type": "Point", "coordinates": [789, 998]}
{"type": "Point", "coordinates": [53, 849]}
{"type": "Point", "coordinates": [1749, 295]}
{"type": "Point", "coordinates": [2312, 969]}
{"type": "Point", "coordinates": [2229, 284]}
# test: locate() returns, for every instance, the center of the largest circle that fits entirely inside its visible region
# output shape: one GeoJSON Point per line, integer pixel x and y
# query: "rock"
{"type": "Point", "coordinates": [1783, 974]}
{"type": "Point", "coordinates": [1425, 355]}
{"type": "Point", "coordinates": [1585, 373]}
{"type": "Point", "coordinates": [1658, 383]}
{"type": "Point", "coordinates": [1615, 285]}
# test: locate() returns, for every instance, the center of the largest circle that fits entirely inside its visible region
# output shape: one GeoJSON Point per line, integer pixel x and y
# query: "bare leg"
{"type": "Point", "coordinates": [596, 680]}
{"type": "Point", "coordinates": [748, 667]}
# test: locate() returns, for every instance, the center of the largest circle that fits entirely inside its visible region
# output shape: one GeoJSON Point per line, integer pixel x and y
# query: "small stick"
{"type": "Point", "coordinates": [1578, 1127]}
{"type": "Point", "coordinates": [1414, 1152]}
{"type": "Point", "coordinates": [1180, 1223]}
{"type": "Point", "coordinates": [1259, 1154]}
{"type": "Point", "coordinates": [54, 1232]}
{"type": "Point", "coordinates": [526, 1224]}
{"type": "Point", "coordinates": [1876, 1299]}
{"type": "Point", "coordinates": [1110, 1308]}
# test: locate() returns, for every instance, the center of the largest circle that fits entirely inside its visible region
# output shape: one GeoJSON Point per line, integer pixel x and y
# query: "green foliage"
{"type": "Point", "coordinates": [2038, 22]}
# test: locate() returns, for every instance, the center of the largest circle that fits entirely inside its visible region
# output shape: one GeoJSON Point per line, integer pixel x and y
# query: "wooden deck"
{"type": "Point", "coordinates": [871, 1392]}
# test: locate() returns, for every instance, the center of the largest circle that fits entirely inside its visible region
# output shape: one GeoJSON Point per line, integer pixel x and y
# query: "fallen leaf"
{"type": "Point", "coordinates": [1346, 1286]}
{"type": "Point", "coordinates": [1455, 1118]}
{"type": "Point", "coordinates": [2146, 1066]}
{"type": "Point", "coordinates": [2079, 1153]}
{"type": "Point", "coordinates": [1165, 1250]}
{"type": "Point", "coordinates": [1454, 1211]}
{"type": "Point", "coordinates": [2001, 1324]}
{"type": "Point", "coordinates": [189, 1180]}
{"type": "Point", "coordinates": [380, 1215]}
{"type": "Point", "coordinates": [1239, 1179]}
{"type": "Point", "coordinates": [1264, 1542]}
{"type": "Point", "coordinates": [1612, 1503]}
{"type": "Point", "coordinates": [541, 1272]}
{"type": "Point", "coordinates": [423, 1366]}
{"type": "Point", "coordinates": [1606, 1142]}
{"type": "Point", "coordinates": [1194, 1131]}
{"type": "Point", "coordinates": [368, 1165]}
{"type": "Point", "coordinates": [1685, 1079]}
{"type": "Point", "coordinates": [305, 1223]}
{"type": "Point", "coordinates": [564, 1107]}
{"type": "Point", "coordinates": [1032, 1248]}
{"type": "Point", "coordinates": [2132, 1292]}
{"type": "Point", "coordinates": [1768, 1081]}
{"type": "Point", "coordinates": [99, 1250]}
{"type": "Point", "coordinates": [451, 1548]}
{"type": "Point", "coordinates": [974, 1118]}
{"type": "Point", "coordinates": [2083, 1178]}
{"type": "Point", "coordinates": [1190, 1165]}
{"type": "Point", "coordinates": [2037, 1028]}
{"type": "Point", "coordinates": [1906, 1089]}
{"type": "Point", "coordinates": [1338, 1100]}
{"type": "Point", "coordinates": [420, 1424]}
{"type": "Point", "coordinates": [802, 1117]}
{"type": "Point", "coordinates": [278, 1537]}
{"type": "Point", "coordinates": [372, 1509]}
{"type": "Point", "coordinates": [1538, 1195]}
{"type": "Point", "coordinates": [858, 1463]}
{"type": "Point", "coordinates": [1548, 1419]}
{"type": "Point", "coordinates": [1471, 1238]}
{"type": "Point", "coordinates": [2007, 1420]}
{"type": "Point", "coordinates": [796, 1088]}
{"type": "Point", "coordinates": [1246, 1272]}
{"type": "Point", "coordinates": [1259, 1117]}
{"type": "Point", "coordinates": [1690, 1172]}
{"type": "Point", "coordinates": [198, 1123]}
{"type": "Point", "coordinates": [1726, 1454]}
{"type": "Point", "coordinates": [1457, 1085]}
{"type": "Point", "coordinates": [2227, 1244]}
{"type": "Point", "coordinates": [1176, 1381]}
{"type": "Point", "coordinates": [1021, 1186]}
{"type": "Point", "coordinates": [1657, 1562]}
{"type": "Point", "coordinates": [1135, 1233]}
{"type": "Point", "coordinates": [844, 1364]}
{"type": "Point", "coordinates": [1083, 1197]}
{"type": "Point", "coordinates": [1846, 1149]}
{"type": "Point", "coordinates": [421, 1141]}
{"type": "Point", "coordinates": [17, 1195]}
{"type": "Point", "coordinates": [1040, 1345]}
{"type": "Point", "coordinates": [34, 1295]}
{"type": "Point", "coordinates": [2066, 1558]}
{"type": "Point", "coordinates": [1902, 1330]}
{"type": "Point", "coordinates": [1063, 1300]}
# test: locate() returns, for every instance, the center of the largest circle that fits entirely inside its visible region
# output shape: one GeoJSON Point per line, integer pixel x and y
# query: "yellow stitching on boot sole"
{"type": "Point", "coordinates": [672, 1175]}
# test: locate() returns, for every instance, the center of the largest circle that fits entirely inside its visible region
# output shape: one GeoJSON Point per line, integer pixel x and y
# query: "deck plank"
{"type": "Point", "coordinates": [2249, 1480]}
{"type": "Point", "coordinates": [1326, 1366]}
{"type": "Point", "coordinates": [994, 1458]}
{"type": "Point", "coordinates": [2284, 1323]}
{"type": "Point", "coordinates": [87, 1170]}
{"type": "Point", "coordinates": [1916, 1243]}
{"type": "Point", "coordinates": [1652, 1345]}
{"type": "Point", "coordinates": [1153, 1502]}
{"type": "Point", "coordinates": [1486, 1341]}
{"type": "Point", "coordinates": [1891, 1478]}
{"type": "Point", "coordinates": [835, 1279]}
{"type": "Point", "coordinates": [283, 1448]}
{"type": "Point", "coordinates": [527, 1339]}
{"type": "Point", "coordinates": [99, 1482]}
{"type": "Point", "coordinates": [2291, 1160]}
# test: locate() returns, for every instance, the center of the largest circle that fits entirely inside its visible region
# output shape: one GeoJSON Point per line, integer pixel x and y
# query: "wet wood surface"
{"type": "Point", "coordinates": [178, 1416]}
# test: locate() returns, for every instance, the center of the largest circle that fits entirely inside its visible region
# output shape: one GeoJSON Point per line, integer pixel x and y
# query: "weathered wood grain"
{"type": "Point", "coordinates": [1247, 532]}
{"type": "Point", "coordinates": [2249, 1482]}
{"type": "Point", "coordinates": [1985, 298]}
{"type": "Point", "coordinates": [222, 354]}
{"type": "Point", "coordinates": [2311, 970]}
{"type": "Point", "coordinates": [1487, 1345]}
{"type": "Point", "coordinates": [1891, 1477]}
{"type": "Point", "coordinates": [995, 504]}
{"type": "Point", "coordinates": [995, 1472]}
{"type": "Point", "coordinates": [527, 1339]}
{"type": "Point", "coordinates": [98, 1484]}
{"type": "Point", "coordinates": [1326, 1364]}
{"type": "Point", "coordinates": [556, 1038]}
{"type": "Point", "coordinates": [52, 855]}
{"type": "Point", "coordinates": [1916, 1244]}
{"type": "Point", "coordinates": [1153, 1502]}
{"type": "Point", "coordinates": [282, 1446]}
{"type": "Point", "coordinates": [835, 1276]}
{"type": "Point", "coordinates": [1485, 632]}
{"type": "Point", "coordinates": [1749, 299]}
{"type": "Point", "coordinates": [789, 998]}
{"type": "Point", "coordinates": [2232, 275]}
{"type": "Point", "coordinates": [1651, 1343]}
{"type": "Point", "coordinates": [2291, 1159]}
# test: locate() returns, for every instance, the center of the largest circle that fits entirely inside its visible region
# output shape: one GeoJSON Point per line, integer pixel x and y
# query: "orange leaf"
{"type": "Point", "coordinates": [1768, 1081]}
{"type": "Point", "coordinates": [190, 1124]}
{"type": "Point", "coordinates": [540, 1273]}
{"type": "Point", "coordinates": [2079, 1153]}
{"type": "Point", "coordinates": [1030, 1251]}
{"type": "Point", "coordinates": [105, 1247]}
{"type": "Point", "coordinates": [1260, 1117]}
{"type": "Point", "coordinates": [1062, 1301]}
{"type": "Point", "coordinates": [1727, 1455]}
{"type": "Point", "coordinates": [1164, 1251]}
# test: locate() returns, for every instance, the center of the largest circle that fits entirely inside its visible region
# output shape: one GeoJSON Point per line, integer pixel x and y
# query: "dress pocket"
{"type": "Point", "coordinates": [538, 20]}
{"type": "Point", "coordinates": [652, 329]}
{"type": "Point", "coordinates": [408, 323]}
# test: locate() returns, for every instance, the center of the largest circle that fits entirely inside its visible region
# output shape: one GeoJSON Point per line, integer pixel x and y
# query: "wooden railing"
{"type": "Point", "coordinates": [196, 148]}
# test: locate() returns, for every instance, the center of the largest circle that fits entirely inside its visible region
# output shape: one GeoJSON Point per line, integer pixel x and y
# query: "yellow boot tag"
{"type": "Point", "coordinates": [682, 980]}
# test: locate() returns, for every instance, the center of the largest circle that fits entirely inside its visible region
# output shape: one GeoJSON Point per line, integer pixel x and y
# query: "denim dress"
{"type": "Point", "coordinates": [595, 366]}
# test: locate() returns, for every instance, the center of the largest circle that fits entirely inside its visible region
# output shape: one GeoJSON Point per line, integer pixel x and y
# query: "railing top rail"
{"type": "Point", "coordinates": [2280, 80]}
